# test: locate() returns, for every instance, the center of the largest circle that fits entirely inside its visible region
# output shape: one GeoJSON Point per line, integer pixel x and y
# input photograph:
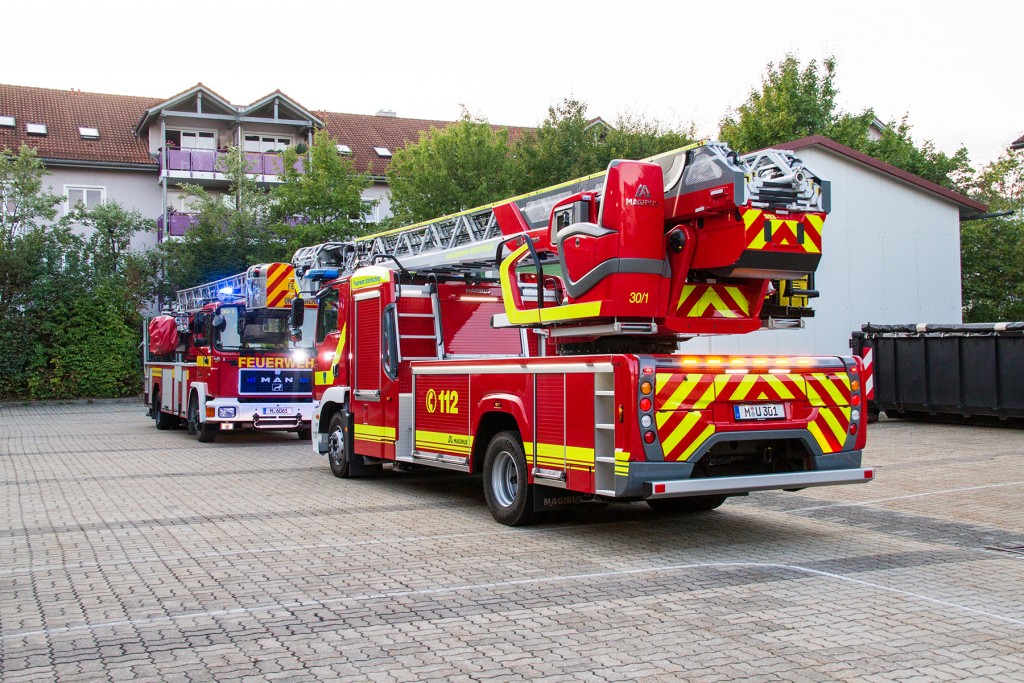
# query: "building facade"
{"type": "Point", "coordinates": [137, 151]}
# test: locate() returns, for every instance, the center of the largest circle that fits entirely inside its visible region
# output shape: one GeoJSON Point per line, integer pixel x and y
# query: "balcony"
{"type": "Point", "coordinates": [199, 165]}
{"type": "Point", "coordinates": [178, 224]}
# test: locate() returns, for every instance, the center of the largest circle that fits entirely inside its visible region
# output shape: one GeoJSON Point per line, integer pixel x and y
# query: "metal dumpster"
{"type": "Point", "coordinates": [957, 371]}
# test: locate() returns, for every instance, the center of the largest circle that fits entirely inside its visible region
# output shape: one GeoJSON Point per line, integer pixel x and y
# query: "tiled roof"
{"type": "Point", "coordinates": [116, 117]}
{"type": "Point", "coordinates": [1018, 143]}
{"type": "Point", "coordinates": [63, 112]}
{"type": "Point", "coordinates": [362, 133]}
{"type": "Point", "coordinates": [967, 205]}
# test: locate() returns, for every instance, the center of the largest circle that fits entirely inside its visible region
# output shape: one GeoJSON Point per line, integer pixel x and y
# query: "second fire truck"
{"type": "Point", "coordinates": [224, 360]}
{"type": "Point", "coordinates": [534, 341]}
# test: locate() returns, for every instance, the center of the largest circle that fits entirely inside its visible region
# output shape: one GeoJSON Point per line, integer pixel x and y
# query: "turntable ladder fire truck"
{"type": "Point", "coordinates": [532, 340]}
{"type": "Point", "coordinates": [224, 360]}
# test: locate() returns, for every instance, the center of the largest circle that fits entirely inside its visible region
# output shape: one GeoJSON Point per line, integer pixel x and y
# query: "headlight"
{"type": "Point", "coordinates": [226, 412]}
{"type": "Point", "coordinates": [300, 356]}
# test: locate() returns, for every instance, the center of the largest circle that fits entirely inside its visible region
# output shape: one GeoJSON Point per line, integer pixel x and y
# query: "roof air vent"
{"type": "Point", "coordinates": [387, 112]}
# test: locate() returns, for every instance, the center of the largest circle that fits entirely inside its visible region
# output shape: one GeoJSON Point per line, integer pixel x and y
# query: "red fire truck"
{"type": "Point", "coordinates": [224, 359]}
{"type": "Point", "coordinates": [534, 341]}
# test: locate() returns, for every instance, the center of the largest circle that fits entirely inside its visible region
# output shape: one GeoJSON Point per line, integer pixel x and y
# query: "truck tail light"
{"type": "Point", "coordinates": [645, 404]}
{"type": "Point", "coordinates": [649, 437]}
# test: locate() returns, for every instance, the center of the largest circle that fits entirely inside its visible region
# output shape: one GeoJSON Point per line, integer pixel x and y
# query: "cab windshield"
{"type": "Point", "coordinates": [260, 330]}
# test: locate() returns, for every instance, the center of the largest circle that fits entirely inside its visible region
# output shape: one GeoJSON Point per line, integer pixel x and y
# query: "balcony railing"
{"type": "Point", "coordinates": [185, 162]}
{"type": "Point", "coordinates": [178, 224]}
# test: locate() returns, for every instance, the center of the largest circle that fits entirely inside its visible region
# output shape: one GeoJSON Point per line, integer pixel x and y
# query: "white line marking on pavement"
{"type": "Point", "coordinates": [912, 495]}
{"type": "Point", "coordinates": [241, 611]}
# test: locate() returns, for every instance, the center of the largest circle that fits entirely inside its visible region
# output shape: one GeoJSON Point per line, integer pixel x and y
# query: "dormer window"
{"type": "Point", "coordinates": [6, 122]}
{"type": "Point", "coordinates": [35, 128]}
{"type": "Point", "coordinates": [382, 151]}
{"type": "Point", "coordinates": [89, 133]}
{"type": "Point", "coordinates": [344, 149]}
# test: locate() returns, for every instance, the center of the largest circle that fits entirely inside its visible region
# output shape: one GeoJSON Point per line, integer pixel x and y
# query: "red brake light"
{"type": "Point", "coordinates": [649, 437]}
{"type": "Point", "coordinates": [645, 404]}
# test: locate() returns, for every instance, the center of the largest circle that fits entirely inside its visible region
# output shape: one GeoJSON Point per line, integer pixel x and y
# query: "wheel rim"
{"type": "Point", "coordinates": [336, 448]}
{"type": "Point", "coordinates": [504, 479]}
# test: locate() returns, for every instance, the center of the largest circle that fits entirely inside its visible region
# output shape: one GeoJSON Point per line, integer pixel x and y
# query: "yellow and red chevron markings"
{"type": "Point", "coordinates": [280, 282]}
{"type": "Point", "coordinates": [830, 428]}
{"type": "Point", "coordinates": [682, 400]}
{"type": "Point", "coordinates": [713, 301]}
{"type": "Point", "coordinates": [783, 234]}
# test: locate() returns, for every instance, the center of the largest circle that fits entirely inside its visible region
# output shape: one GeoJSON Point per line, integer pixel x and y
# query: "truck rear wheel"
{"type": "Point", "coordinates": [163, 420]}
{"type": "Point", "coordinates": [508, 495]}
{"type": "Point", "coordinates": [669, 506]}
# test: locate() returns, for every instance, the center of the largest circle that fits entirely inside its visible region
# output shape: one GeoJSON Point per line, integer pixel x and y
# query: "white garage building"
{"type": "Point", "coordinates": [890, 254]}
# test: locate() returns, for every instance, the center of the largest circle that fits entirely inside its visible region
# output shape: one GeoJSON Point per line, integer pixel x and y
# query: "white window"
{"type": "Point", "coordinates": [89, 133]}
{"type": "Point", "coordinates": [91, 197]}
{"type": "Point", "coordinates": [266, 143]}
{"type": "Point", "coordinates": [7, 121]}
{"type": "Point", "coordinates": [382, 151]}
{"type": "Point", "coordinates": [192, 139]}
{"type": "Point", "coordinates": [344, 149]}
{"type": "Point", "coordinates": [35, 128]}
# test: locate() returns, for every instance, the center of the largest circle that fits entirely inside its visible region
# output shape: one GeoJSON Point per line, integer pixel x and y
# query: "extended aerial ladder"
{"type": "Point", "coordinates": [693, 241]}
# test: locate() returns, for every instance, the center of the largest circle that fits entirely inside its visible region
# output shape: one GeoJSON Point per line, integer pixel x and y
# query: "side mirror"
{"type": "Point", "coordinates": [298, 311]}
{"type": "Point", "coordinates": [219, 322]}
{"type": "Point", "coordinates": [298, 317]}
{"type": "Point", "coordinates": [198, 322]}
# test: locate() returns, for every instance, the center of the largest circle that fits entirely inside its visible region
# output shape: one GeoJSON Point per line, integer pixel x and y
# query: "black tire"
{"type": "Point", "coordinates": [305, 433]}
{"type": "Point", "coordinates": [163, 420]}
{"type": "Point", "coordinates": [205, 432]}
{"type": "Point", "coordinates": [668, 506]}
{"type": "Point", "coordinates": [338, 446]}
{"type": "Point", "coordinates": [509, 496]}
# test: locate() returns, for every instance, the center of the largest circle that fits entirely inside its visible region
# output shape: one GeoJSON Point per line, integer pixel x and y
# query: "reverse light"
{"type": "Point", "coordinates": [646, 421]}
{"type": "Point", "coordinates": [855, 416]}
{"type": "Point", "coordinates": [649, 437]}
{"type": "Point", "coordinates": [645, 404]}
{"type": "Point", "coordinates": [229, 411]}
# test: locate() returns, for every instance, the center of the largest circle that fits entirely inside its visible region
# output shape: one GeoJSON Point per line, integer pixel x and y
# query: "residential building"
{"type": "Point", "coordinates": [139, 150]}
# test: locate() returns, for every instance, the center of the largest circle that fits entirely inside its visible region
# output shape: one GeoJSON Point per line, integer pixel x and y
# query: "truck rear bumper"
{"type": "Point", "coordinates": [755, 482]}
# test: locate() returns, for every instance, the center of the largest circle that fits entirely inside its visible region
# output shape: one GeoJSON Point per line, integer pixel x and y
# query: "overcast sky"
{"type": "Point", "coordinates": [951, 66]}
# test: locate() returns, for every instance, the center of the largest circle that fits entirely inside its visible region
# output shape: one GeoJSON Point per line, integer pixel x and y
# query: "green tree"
{"type": "Point", "coordinates": [322, 201]}
{"type": "Point", "coordinates": [897, 147]}
{"type": "Point", "coordinates": [793, 103]}
{"type": "Point", "coordinates": [232, 232]}
{"type": "Point", "coordinates": [466, 164]}
{"type": "Point", "coordinates": [24, 204]}
{"type": "Point", "coordinates": [992, 249]}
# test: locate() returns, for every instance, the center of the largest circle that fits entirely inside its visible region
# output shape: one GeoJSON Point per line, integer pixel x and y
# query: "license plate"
{"type": "Point", "coordinates": [760, 411]}
{"type": "Point", "coordinates": [277, 411]}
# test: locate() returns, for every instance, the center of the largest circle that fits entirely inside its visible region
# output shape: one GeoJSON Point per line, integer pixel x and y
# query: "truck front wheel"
{"type": "Point", "coordinates": [337, 447]}
{"type": "Point", "coordinates": [509, 496]}
{"type": "Point", "coordinates": [206, 432]}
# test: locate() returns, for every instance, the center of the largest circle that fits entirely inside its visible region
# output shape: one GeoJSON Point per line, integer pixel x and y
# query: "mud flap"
{"type": "Point", "coordinates": [549, 498]}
